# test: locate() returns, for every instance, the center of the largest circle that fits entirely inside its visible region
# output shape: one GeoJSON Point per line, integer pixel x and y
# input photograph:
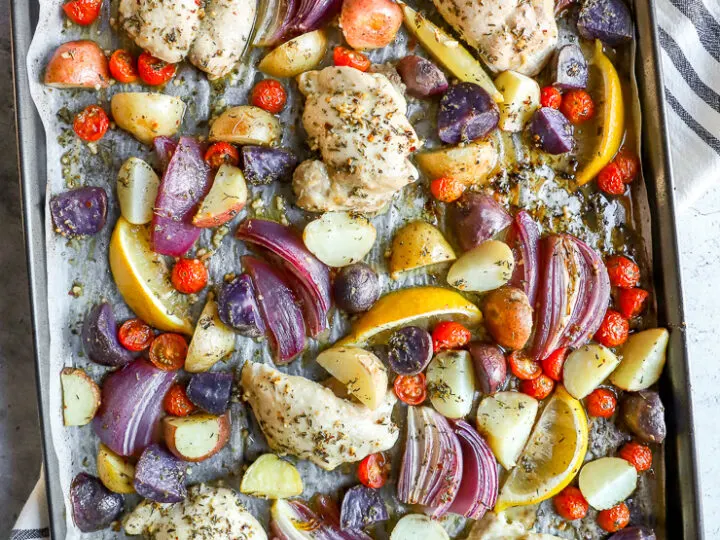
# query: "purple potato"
{"type": "Point", "coordinates": [361, 507]}
{"type": "Point", "coordinates": [79, 212]}
{"type": "Point", "coordinates": [644, 414]}
{"type": "Point", "coordinates": [467, 112]}
{"type": "Point", "coordinates": [477, 217]}
{"type": "Point", "coordinates": [164, 149]}
{"type": "Point", "coordinates": [238, 307]}
{"type": "Point", "coordinates": [552, 131]}
{"type": "Point", "coordinates": [160, 476]}
{"type": "Point", "coordinates": [421, 77]}
{"type": "Point", "coordinates": [99, 337]}
{"type": "Point", "coordinates": [210, 391]}
{"type": "Point", "coordinates": [490, 366]}
{"type": "Point", "coordinates": [607, 20]}
{"type": "Point", "coordinates": [94, 507]}
{"type": "Point", "coordinates": [634, 533]}
{"type": "Point", "coordinates": [356, 288]}
{"type": "Point", "coordinates": [410, 350]}
{"type": "Point", "coordinates": [570, 68]}
{"type": "Point", "coordinates": [263, 165]}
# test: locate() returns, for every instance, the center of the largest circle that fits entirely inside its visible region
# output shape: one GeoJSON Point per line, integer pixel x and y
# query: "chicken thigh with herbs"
{"type": "Point", "coordinates": [357, 122]}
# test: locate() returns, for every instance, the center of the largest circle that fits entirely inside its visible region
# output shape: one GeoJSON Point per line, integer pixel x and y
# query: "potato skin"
{"type": "Point", "coordinates": [508, 317]}
{"type": "Point", "coordinates": [78, 64]}
{"type": "Point", "coordinates": [644, 414]}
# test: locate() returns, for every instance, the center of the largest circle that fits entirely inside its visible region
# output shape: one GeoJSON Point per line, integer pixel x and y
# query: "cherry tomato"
{"type": "Point", "coordinates": [570, 504]}
{"type": "Point", "coordinates": [189, 276]}
{"type": "Point", "coordinates": [577, 106]}
{"type": "Point", "coordinates": [601, 403]}
{"type": "Point", "coordinates": [411, 389]}
{"type": "Point", "coordinates": [374, 470]}
{"type": "Point", "coordinates": [523, 366]}
{"type": "Point", "coordinates": [83, 12]}
{"type": "Point", "coordinates": [550, 97]}
{"type": "Point", "coordinates": [122, 67]}
{"type": "Point", "coordinates": [615, 518]}
{"type": "Point", "coordinates": [154, 71]}
{"type": "Point", "coordinates": [631, 302]}
{"type": "Point", "coordinates": [350, 58]}
{"type": "Point", "coordinates": [446, 190]}
{"type": "Point", "coordinates": [622, 271]}
{"type": "Point", "coordinates": [269, 95]}
{"type": "Point", "coordinates": [222, 153]}
{"type": "Point", "coordinates": [135, 335]}
{"type": "Point", "coordinates": [91, 123]}
{"type": "Point", "coordinates": [552, 366]}
{"type": "Point", "coordinates": [610, 180]}
{"type": "Point", "coordinates": [539, 388]}
{"type": "Point", "coordinates": [638, 454]}
{"type": "Point", "coordinates": [613, 330]}
{"type": "Point", "coordinates": [450, 335]}
{"type": "Point", "coordinates": [176, 401]}
{"type": "Point", "coordinates": [168, 351]}
{"type": "Point", "coordinates": [628, 164]}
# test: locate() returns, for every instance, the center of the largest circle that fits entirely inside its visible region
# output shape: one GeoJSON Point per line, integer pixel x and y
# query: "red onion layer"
{"type": "Point", "coordinates": [524, 237]}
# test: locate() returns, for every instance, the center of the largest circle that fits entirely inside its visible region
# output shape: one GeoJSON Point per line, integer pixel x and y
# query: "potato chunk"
{"type": "Point", "coordinates": [81, 397]}
{"type": "Point", "coordinates": [270, 477]}
{"type": "Point", "coordinates": [363, 373]}
{"type": "Point", "coordinates": [147, 115]}
{"type": "Point", "coordinates": [643, 359]}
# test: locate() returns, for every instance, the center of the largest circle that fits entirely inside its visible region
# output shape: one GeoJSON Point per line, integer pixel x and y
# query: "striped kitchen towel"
{"type": "Point", "coordinates": [32, 524]}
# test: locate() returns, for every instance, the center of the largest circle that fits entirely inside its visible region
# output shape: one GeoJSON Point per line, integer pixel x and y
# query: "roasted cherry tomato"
{"type": "Point", "coordinates": [269, 95]}
{"type": "Point", "coordinates": [610, 179]}
{"type": "Point", "coordinates": [601, 403]}
{"type": "Point", "coordinates": [552, 366]}
{"type": "Point", "coordinates": [168, 351]}
{"type": "Point", "coordinates": [374, 470]}
{"type": "Point", "coordinates": [577, 106]}
{"type": "Point", "coordinates": [638, 454]}
{"type": "Point", "coordinates": [631, 302]}
{"type": "Point", "coordinates": [83, 12]}
{"type": "Point", "coordinates": [189, 276]}
{"type": "Point", "coordinates": [550, 97]}
{"type": "Point", "coordinates": [122, 67]}
{"type": "Point", "coordinates": [613, 330]}
{"type": "Point", "coordinates": [446, 190]}
{"type": "Point", "coordinates": [350, 58]}
{"type": "Point", "coordinates": [135, 335]}
{"type": "Point", "coordinates": [622, 271]}
{"type": "Point", "coordinates": [176, 402]}
{"type": "Point", "coordinates": [570, 504]}
{"type": "Point", "coordinates": [91, 123]}
{"type": "Point", "coordinates": [411, 389]}
{"type": "Point", "coordinates": [154, 71]}
{"type": "Point", "coordinates": [539, 387]}
{"type": "Point", "coordinates": [450, 335]}
{"type": "Point", "coordinates": [222, 153]}
{"type": "Point", "coordinates": [615, 518]}
{"type": "Point", "coordinates": [628, 164]}
{"type": "Point", "coordinates": [523, 366]}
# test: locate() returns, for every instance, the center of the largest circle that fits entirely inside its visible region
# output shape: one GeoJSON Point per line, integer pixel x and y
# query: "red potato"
{"type": "Point", "coordinates": [226, 198]}
{"type": "Point", "coordinates": [197, 437]}
{"type": "Point", "coordinates": [370, 24]}
{"type": "Point", "coordinates": [78, 64]}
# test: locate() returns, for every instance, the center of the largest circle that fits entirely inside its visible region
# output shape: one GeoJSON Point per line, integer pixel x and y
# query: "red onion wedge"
{"type": "Point", "coordinates": [279, 309]}
{"type": "Point", "coordinates": [573, 295]}
{"type": "Point", "coordinates": [132, 398]}
{"type": "Point", "coordinates": [294, 520]}
{"type": "Point", "coordinates": [313, 14]}
{"type": "Point", "coordinates": [309, 277]}
{"type": "Point", "coordinates": [479, 485]}
{"type": "Point", "coordinates": [274, 21]}
{"type": "Point", "coordinates": [524, 238]}
{"type": "Point", "coordinates": [432, 465]}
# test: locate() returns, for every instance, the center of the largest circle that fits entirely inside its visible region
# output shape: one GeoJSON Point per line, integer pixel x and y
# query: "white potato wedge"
{"type": "Point", "coordinates": [227, 197]}
{"type": "Point", "coordinates": [418, 527]}
{"type": "Point", "coordinates": [270, 477]}
{"type": "Point", "coordinates": [361, 371]}
{"type": "Point", "coordinates": [506, 419]}
{"type": "Point", "coordinates": [521, 97]}
{"type": "Point", "coordinates": [339, 238]}
{"type": "Point", "coordinates": [607, 481]}
{"type": "Point", "coordinates": [586, 368]}
{"type": "Point", "coordinates": [196, 437]}
{"type": "Point", "coordinates": [296, 56]}
{"type": "Point", "coordinates": [246, 124]}
{"type": "Point", "coordinates": [211, 341]}
{"type": "Point", "coordinates": [147, 115]}
{"type": "Point", "coordinates": [451, 383]}
{"type": "Point", "coordinates": [137, 188]}
{"type": "Point", "coordinates": [470, 164]}
{"type": "Point", "coordinates": [483, 268]}
{"type": "Point", "coordinates": [115, 472]}
{"type": "Point", "coordinates": [78, 64]}
{"type": "Point", "coordinates": [642, 360]}
{"type": "Point", "coordinates": [81, 397]}
{"type": "Point", "coordinates": [416, 245]}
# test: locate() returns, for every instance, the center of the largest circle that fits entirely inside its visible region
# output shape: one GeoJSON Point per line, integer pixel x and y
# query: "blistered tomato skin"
{"type": "Point", "coordinates": [373, 471]}
{"type": "Point", "coordinates": [628, 164]}
{"type": "Point", "coordinates": [610, 180]}
{"type": "Point", "coordinates": [613, 330]}
{"type": "Point", "coordinates": [623, 272]}
{"type": "Point", "coordinates": [538, 388]}
{"type": "Point", "coordinates": [350, 58]}
{"type": "Point", "coordinates": [571, 504]}
{"type": "Point", "coordinates": [189, 276]}
{"type": "Point", "coordinates": [523, 366]}
{"type": "Point", "coordinates": [552, 366]}
{"type": "Point", "coordinates": [154, 71]}
{"type": "Point", "coordinates": [577, 106]}
{"type": "Point", "coordinates": [91, 123]}
{"type": "Point", "coordinates": [269, 95]}
{"type": "Point", "coordinates": [411, 389]}
{"type": "Point", "coordinates": [176, 402]}
{"type": "Point", "coordinates": [446, 190]}
{"type": "Point", "coordinates": [168, 351]}
{"type": "Point", "coordinates": [122, 67]}
{"type": "Point", "coordinates": [449, 335]}
{"type": "Point", "coordinates": [550, 97]}
{"type": "Point", "coordinates": [639, 455]}
{"type": "Point", "coordinates": [631, 302]}
{"type": "Point", "coordinates": [615, 518]}
{"type": "Point", "coordinates": [135, 335]}
{"type": "Point", "coordinates": [601, 403]}
{"type": "Point", "coordinates": [222, 153]}
{"type": "Point", "coordinates": [83, 12]}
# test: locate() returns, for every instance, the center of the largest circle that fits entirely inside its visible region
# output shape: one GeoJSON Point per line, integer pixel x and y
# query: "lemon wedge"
{"type": "Point", "coordinates": [419, 306]}
{"type": "Point", "coordinates": [142, 277]}
{"type": "Point", "coordinates": [552, 456]}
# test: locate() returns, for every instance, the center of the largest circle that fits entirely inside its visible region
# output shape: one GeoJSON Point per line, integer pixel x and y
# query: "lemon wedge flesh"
{"type": "Point", "coordinates": [142, 277]}
{"type": "Point", "coordinates": [552, 456]}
